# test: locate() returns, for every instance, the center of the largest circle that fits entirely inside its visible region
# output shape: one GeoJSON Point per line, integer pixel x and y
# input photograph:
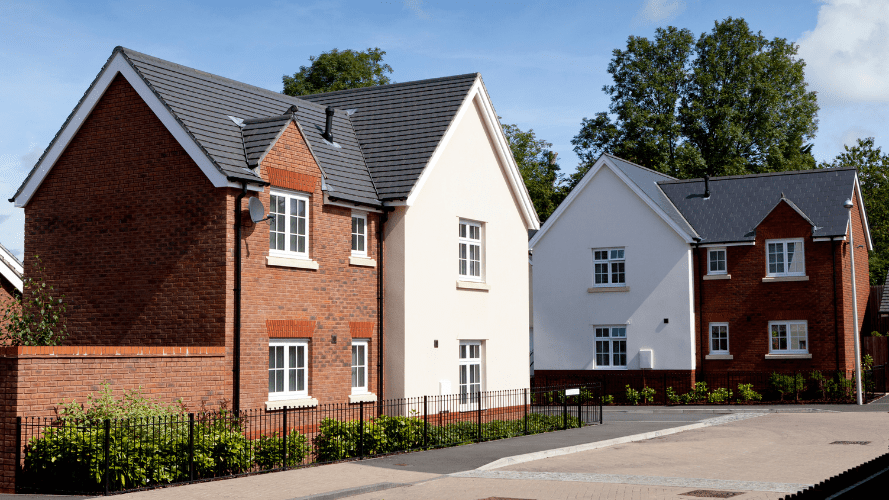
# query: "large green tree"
{"type": "Point", "coordinates": [873, 173]}
{"type": "Point", "coordinates": [339, 70]}
{"type": "Point", "coordinates": [732, 102]}
{"type": "Point", "coordinates": [539, 168]}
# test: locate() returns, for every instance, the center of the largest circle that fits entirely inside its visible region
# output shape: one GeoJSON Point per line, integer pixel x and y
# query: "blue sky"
{"type": "Point", "coordinates": [544, 63]}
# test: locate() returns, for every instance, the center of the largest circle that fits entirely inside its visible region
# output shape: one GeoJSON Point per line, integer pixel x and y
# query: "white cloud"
{"type": "Point", "coordinates": [656, 11]}
{"type": "Point", "coordinates": [416, 6]}
{"type": "Point", "coordinates": [847, 54]}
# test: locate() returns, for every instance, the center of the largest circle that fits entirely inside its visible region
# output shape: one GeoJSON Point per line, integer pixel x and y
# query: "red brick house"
{"type": "Point", "coordinates": [728, 274]}
{"type": "Point", "coordinates": [136, 206]}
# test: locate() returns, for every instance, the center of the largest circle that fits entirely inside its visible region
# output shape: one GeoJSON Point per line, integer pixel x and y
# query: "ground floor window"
{"type": "Point", "coordinates": [611, 346]}
{"type": "Point", "coordinates": [718, 338]}
{"type": "Point", "coordinates": [789, 337]}
{"type": "Point", "coordinates": [470, 371]}
{"type": "Point", "coordinates": [287, 368]}
{"type": "Point", "coordinates": [359, 366]}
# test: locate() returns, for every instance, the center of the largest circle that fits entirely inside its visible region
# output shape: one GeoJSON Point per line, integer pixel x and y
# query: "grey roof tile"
{"type": "Point", "coordinates": [737, 204]}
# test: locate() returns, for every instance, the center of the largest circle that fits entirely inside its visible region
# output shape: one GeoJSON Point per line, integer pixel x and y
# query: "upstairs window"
{"type": "Point", "coordinates": [785, 258]}
{"type": "Point", "coordinates": [289, 228]}
{"type": "Point", "coordinates": [611, 346]}
{"type": "Point", "coordinates": [359, 234]}
{"type": "Point", "coordinates": [469, 251]}
{"type": "Point", "coordinates": [716, 261]}
{"type": "Point", "coordinates": [609, 267]}
{"type": "Point", "coordinates": [789, 337]}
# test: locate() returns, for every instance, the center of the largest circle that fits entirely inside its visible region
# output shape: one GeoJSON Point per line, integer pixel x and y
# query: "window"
{"type": "Point", "coordinates": [718, 338]}
{"type": "Point", "coordinates": [289, 229]}
{"type": "Point", "coordinates": [609, 267]}
{"type": "Point", "coordinates": [359, 234]}
{"type": "Point", "coordinates": [785, 258]}
{"type": "Point", "coordinates": [287, 369]}
{"type": "Point", "coordinates": [470, 371]}
{"type": "Point", "coordinates": [359, 367]}
{"type": "Point", "coordinates": [789, 337]}
{"type": "Point", "coordinates": [611, 346]}
{"type": "Point", "coordinates": [716, 261]}
{"type": "Point", "coordinates": [469, 251]}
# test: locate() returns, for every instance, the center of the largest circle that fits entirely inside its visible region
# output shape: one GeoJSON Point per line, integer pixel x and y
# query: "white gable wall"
{"type": "Point", "coordinates": [468, 182]}
{"type": "Point", "coordinates": [607, 213]}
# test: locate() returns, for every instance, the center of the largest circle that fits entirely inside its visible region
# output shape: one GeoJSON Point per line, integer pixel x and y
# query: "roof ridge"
{"type": "Point", "coordinates": [640, 166]}
{"type": "Point", "coordinates": [763, 174]}
{"type": "Point", "coordinates": [399, 84]}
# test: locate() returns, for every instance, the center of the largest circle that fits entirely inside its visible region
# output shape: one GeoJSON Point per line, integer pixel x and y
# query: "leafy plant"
{"type": "Point", "coordinates": [647, 394]}
{"type": "Point", "coordinates": [268, 451]}
{"type": "Point", "coordinates": [788, 384]}
{"type": "Point", "coordinates": [746, 393]}
{"type": "Point", "coordinates": [608, 399]}
{"type": "Point", "coordinates": [37, 317]}
{"type": "Point", "coordinates": [867, 362]}
{"type": "Point", "coordinates": [673, 397]}
{"type": "Point", "coordinates": [720, 395]}
{"type": "Point", "coordinates": [103, 406]}
{"type": "Point", "coordinates": [633, 395]}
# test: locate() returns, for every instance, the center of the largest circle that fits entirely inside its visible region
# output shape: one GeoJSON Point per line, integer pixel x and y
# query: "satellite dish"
{"type": "Point", "coordinates": [257, 211]}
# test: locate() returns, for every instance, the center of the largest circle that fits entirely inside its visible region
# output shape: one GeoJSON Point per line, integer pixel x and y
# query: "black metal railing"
{"type": "Point", "coordinates": [102, 456]}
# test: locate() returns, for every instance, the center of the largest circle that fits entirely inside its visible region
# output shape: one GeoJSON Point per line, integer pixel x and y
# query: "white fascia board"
{"type": "Point", "coordinates": [603, 161]}
{"type": "Point", "coordinates": [120, 65]}
{"type": "Point", "coordinates": [870, 243]}
{"type": "Point", "coordinates": [9, 266]}
{"type": "Point", "coordinates": [478, 96]}
{"type": "Point", "coordinates": [734, 244]}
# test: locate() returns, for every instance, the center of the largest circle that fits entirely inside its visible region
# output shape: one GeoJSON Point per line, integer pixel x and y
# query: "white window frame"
{"type": "Point", "coordinates": [357, 236]}
{"type": "Point", "coordinates": [788, 337]}
{"type": "Point", "coordinates": [727, 346]}
{"type": "Point", "coordinates": [291, 392]}
{"type": "Point", "coordinates": [289, 219]}
{"type": "Point", "coordinates": [610, 336]}
{"type": "Point", "coordinates": [361, 365]}
{"type": "Point", "coordinates": [798, 252]}
{"type": "Point", "coordinates": [711, 261]}
{"type": "Point", "coordinates": [615, 257]}
{"type": "Point", "coordinates": [466, 362]}
{"type": "Point", "coordinates": [465, 242]}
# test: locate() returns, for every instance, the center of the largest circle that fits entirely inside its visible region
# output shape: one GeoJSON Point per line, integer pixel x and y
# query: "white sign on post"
{"type": "Point", "coordinates": [572, 392]}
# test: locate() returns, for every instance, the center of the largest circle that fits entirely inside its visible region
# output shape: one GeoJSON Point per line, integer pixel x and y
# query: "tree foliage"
{"type": "Point", "coordinates": [732, 102]}
{"type": "Point", "coordinates": [339, 70]}
{"type": "Point", "coordinates": [873, 174]}
{"type": "Point", "coordinates": [541, 173]}
{"type": "Point", "coordinates": [37, 317]}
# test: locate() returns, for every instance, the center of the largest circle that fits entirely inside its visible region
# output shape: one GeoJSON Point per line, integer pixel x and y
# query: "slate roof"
{"type": "Point", "coordinates": [737, 204]}
{"type": "Point", "coordinates": [400, 125]}
{"type": "Point", "coordinates": [647, 180]}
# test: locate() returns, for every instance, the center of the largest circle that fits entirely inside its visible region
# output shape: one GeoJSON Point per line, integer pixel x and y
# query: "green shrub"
{"type": "Point", "coordinates": [673, 397]}
{"type": "Point", "coordinates": [608, 399]}
{"type": "Point", "coordinates": [788, 384]}
{"type": "Point", "coordinates": [268, 450]}
{"type": "Point", "coordinates": [647, 394]}
{"type": "Point", "coordinates": [746, 393]}
{"type": "Point", "coordinates": [867, 362]}
{"type": "Point", "coordinates": [875, 334]}
{"type": "Point", "coordinates": [720, 395]}
{"type": "Point", "coordinates": [633, 395]}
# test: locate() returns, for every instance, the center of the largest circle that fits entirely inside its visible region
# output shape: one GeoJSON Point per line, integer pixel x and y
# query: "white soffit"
{"type": "Point", "coordinates": [119, 65]}
{"type": "Point", "coordinates": [870, 243]}
{"type": "Point", "coordinates": [9, 266]}
{"type": "Point", "coordinates": [478, 96]}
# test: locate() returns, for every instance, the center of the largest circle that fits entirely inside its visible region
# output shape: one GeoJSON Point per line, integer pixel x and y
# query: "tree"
{"type": "Point", "coordinates": [339, 70]}
{"type": "Point", "coordinates": [733, 102]}
{"type": "Point", "coordinates": [539, 169]}
{"type": "Point", "coordinates": [873, 174]}
{"type": "Point", "coordinates": [35, 318]}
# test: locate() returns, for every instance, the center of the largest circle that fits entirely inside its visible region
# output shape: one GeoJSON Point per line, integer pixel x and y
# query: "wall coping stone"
{"type": "Point", "coordinates": [109, 351]}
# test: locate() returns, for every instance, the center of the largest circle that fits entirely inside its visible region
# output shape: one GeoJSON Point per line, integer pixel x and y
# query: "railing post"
{"type": "Point", "coordinates": [191, 446]}
{"type": "Point", "coordinates": [479, 411]}
{"type": "Point", "coordinates": [107, 447]}
{"type": "Point", "coordinates": [564, 412]}
{"type": "Point", "coordinates": [600, 407]}
{"type": "Point", "coordinates": [284, 438]}
{"type": "Point", "coordinates": [18, 451]}
{"type": "Point", "coordinates": [425, 421]}
{"type": "Point", "coordinates": [525, 402]}
{"type": "Point", "coordinates": [361, 430]}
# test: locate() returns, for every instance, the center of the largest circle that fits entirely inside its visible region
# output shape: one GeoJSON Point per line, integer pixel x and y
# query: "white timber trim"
{"type": "Point", "coordinates": [9, 266]}
{"type": "Point", "coordinates": [600, 163]}
{"type": "Point", "coordinates": [478, 97]}
{"type": "Point", "coordinates": [870, 243]}
{"type": "Point", "coordinates": [736, 244]}
{"type": "Point", "coordinates": [119, 65]}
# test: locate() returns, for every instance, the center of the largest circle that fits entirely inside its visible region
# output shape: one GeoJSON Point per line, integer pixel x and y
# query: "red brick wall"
{"type": "Point", "coordinates": [747, 304]}
{"type": "Point", "coordinates": [132, 232]}
{"type": "Point", "coordinates": [333, 297]}
{"type": "Point", "coordinates": [862, 285]}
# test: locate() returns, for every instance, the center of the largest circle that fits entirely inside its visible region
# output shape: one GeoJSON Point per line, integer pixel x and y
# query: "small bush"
{"type": "Point", "coordinates": [720, 395]}
{"type": "Point", "coordinates": [633, 395]}
{"type": "Point", "coordinates": [608, 399]}
{"type": "Point", "coordinates": [788, 384]}
{"type": "Point", "coordinates": [746, 393]}
{"type": "Point", "coordinates": [875, 334]}
{"type": "Point", "coordinates": [673, 397]}
{"type": "Point", "coordinates": [647, 394]}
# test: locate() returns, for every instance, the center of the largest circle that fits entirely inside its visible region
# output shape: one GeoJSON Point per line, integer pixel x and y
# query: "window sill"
{"type": "Point", "coordinates": [362, 398]}
{"type": "Point", "coordinates": [273, 260]}
{"type": "Point", "coordinates": [605, 289]}
{"type": "Point", "coordinates": [291, 403]}
{"type": "Point", "coordinates": [473, 285]}
{"type": "Point", "coordinates": [771, 279]}
{"type": "Point", "coordinates": [719, 356]}
{"type": "Point", "coordinates": [717, 277]}
{"type": "Point", "coordinates": [788, 356]}
{"type": "Point", "coordinates": [362, 261]}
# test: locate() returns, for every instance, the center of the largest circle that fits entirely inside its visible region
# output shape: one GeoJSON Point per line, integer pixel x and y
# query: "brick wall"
{"type": "Point", "coordinates": [338, 298]}
{"type": "Point", "coordinates": [862, 285]}
{"type": "Point", "coordinates": [132, 232]}
{"type": "Point", "coordinates": [747, 303]}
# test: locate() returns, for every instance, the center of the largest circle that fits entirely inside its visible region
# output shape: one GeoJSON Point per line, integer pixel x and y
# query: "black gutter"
{"type": "Point", "coordinates": [836, 326]}
{"type": "Point", "coordinates": [384, 217]}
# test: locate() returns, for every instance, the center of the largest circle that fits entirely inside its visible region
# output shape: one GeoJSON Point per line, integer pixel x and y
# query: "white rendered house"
{"type": "Point", "coordinates": [608, 263]}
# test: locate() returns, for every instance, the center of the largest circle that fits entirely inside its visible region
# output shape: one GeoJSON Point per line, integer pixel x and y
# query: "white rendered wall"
{"type": "Point", "coordinates": [607, 213]}
{"type": "Point", "coordinates": [466, 182]}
